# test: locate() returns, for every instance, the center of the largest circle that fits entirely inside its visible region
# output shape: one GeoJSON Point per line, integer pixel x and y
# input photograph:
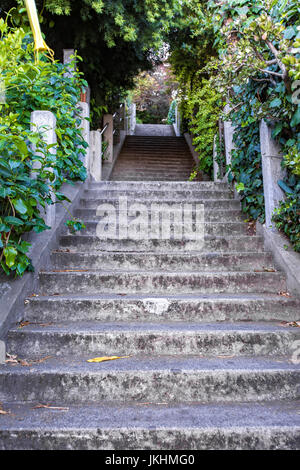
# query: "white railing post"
{"type": "Point", "coordinates": [109, 135]}
{"type": "Point", "coordinates": [272, 172]}
{"type": "Point", "coordinates": [45, 123]}
{"type": "Point", "coordinates": [96, 155]}
{"type": "Point", "coordinates": [85, 126]}
{"type": "Point", "coordinates": [132, 119]}
{"type": "Point", "coordinates": [228, 137]}
{"type": "Point", "coordinates": [67, 53]}
{"type": "Point", "coordinates": [123, 116]}
{"type": "Point", "coordinates": [177, 123]}
{"type": "Point", "coordinates": [217, 169]}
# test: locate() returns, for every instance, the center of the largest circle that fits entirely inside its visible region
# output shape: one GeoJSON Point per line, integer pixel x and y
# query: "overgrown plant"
{"type": "Point", "coordinates": [32, 172]}
{"type": "Point", "coordinates": [249, 53]}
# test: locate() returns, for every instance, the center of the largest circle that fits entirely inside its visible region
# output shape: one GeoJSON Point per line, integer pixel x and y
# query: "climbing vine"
{"type": "Point", "coordinates": [250, 56]}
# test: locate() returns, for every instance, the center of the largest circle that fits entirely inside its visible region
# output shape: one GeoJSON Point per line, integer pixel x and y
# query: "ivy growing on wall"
{"type": "Point", "coordinates": [249, 53]}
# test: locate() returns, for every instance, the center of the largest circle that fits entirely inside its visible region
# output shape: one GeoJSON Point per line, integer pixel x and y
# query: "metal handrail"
{"type": "Point", "coordinates": [104, 128]}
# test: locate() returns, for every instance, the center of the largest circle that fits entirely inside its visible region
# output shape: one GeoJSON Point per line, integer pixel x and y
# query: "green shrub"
{"type": "Point", "coordinates": [30, 174]}
{"type": "Point", "coordinates": [202, 110]}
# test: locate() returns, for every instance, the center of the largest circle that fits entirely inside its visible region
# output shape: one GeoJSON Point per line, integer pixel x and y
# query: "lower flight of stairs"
{"type": "Point", "coordinates": [208, 362]}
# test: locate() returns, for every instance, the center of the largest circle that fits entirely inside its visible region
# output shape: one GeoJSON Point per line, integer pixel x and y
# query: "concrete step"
{"type": "Point", "coordinates": [183, 196]}
{"type": "Point", "coordinates": [138, 379]}
{"type": "Point", "coordinates": [69, 281]}
{"type": "Point", "coordinates": [143, 160]}
{"type": "Point", "coordinates": [163, 261]}
{"type": "Point", "coordinates": [155, 426]}
{"type": "Point", "coordinates": [218, 216]}
{"type": "Point", "coordinates": [176, 339]}
{"type": "Point", "coordinates": [226, 244]}
{"type": "Point", "coordinates": [212, 204]}
{"type": "Point", "coordinates": [155, 227]}
{"type": "Point", "coordinates": [161, 177]}
{"type": "Point", "coordinates": [169, 175]}
{"type": "Point", "coordinates": [154, 308]}
{"type": "Point", "coordinates": [156, 185]}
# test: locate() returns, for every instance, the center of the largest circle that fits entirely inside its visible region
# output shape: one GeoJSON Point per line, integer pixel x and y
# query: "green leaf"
{"type": "Point", "coordinates": [285, 187]}
{"type": "Point", "coordinates": [296, 118]}
{"type": "Point", "coordinates": [275, 103]}
{"type": "Point", "coordinates": [13, 221]}
{"type": "Point", "coordinates": [289, 33]}
{"type": "Point", "coordinates": [20, 206]}
{"type": "Point", "coordinates": [10, 254]}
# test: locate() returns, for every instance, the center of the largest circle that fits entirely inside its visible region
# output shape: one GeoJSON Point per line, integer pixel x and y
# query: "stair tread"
{"type": "Point", "coordinates": [213, 297]}
{"type": "Point", "coordinates": [265, 415]}
{"type": "Point", "coordinates": [140, 272]}
{"type": "Point", "coordinates": [94, 327]}
{"type": "Point", "coordinates": [70, 365]}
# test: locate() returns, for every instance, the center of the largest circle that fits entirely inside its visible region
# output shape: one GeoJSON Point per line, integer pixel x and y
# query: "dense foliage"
{"type": "Point", "coordinates": [249, 54]}
{"type": "Point", "coordinates": [32, 172]}
{"type": "Point", "coordinates": [116, 38]}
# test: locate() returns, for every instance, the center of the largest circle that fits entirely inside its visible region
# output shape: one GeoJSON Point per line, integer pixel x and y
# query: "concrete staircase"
{"type": "Point", "coordinates": [154, 158]}
{"type": "Point", "coordinates": [210, 363]}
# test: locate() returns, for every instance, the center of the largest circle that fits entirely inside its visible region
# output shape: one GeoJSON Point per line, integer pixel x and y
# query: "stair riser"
{"type": "Point", "coordinates": [239, 438]}
{"type": "Point", "coordinates": [208, 203]}
{"type": "Point", "coordinates": [160, 155]}
{"type": "Point", "coordinates": [225, 216]}
{"type": "Point", "coordinates": [179, 186]}
{"type": "Point", "coordinates": [242, 245]}
{"type": "Point", "coordinates": [149, 386]}
{"type": "Point", "coordinates": [160, 310]}
{"type": "Point", "coordinates": [164, 262]}
{"type": "Point", "coordinates": [182, 196]}
{"type": "Point", "coordinates": [149, 178]}
{"type": "Point", "coordinates": [208, 344]}
{"type": "Point", "coordinates": [161, 283]}
{"type": "Point", "coordinates": [219, 229]}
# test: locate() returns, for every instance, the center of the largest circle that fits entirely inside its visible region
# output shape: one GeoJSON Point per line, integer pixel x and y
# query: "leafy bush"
{"type": "Point", "coordinates": [31, 173]}
{"type": "Point", "coordinates": [246, 163]}
{"type": "Point", "coordinates": [202, 109]}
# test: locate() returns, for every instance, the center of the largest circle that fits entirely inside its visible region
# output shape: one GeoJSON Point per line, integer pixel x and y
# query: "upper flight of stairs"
{"type": "Point", "coordinates": [154, 158]}
{"type": "Point", "coordinates": [210, 364]}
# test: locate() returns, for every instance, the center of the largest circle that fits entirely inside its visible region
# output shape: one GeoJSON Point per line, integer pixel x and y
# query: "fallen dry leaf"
{"type": "Point", "coordinates": [2, 411]}
{"type": "Point", "coordinates": [39, 361]}
{"type": "Point", "coordinates": [269, 270]}
{"type": "Point", "coordinates": [22, 324]}
{"type": "Point", "coordinates": [265, 270]}
{"type": "Point", "coordinates": [49, 407]}
{"type": "Point", "coordinates": [295, 324]}
{"type": "Point", "coordinates": [107, 358]}
{"type": "Point", "coordinates": [284, 294]}
{"type": "Point", "coordinates": [24, 363]}
{"type": "Point", "coordinates": [146, 404]}
{"type": "Point", "coordinates": [225, 357]}
{"type": "Point", "coordinates": [12, 359]}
